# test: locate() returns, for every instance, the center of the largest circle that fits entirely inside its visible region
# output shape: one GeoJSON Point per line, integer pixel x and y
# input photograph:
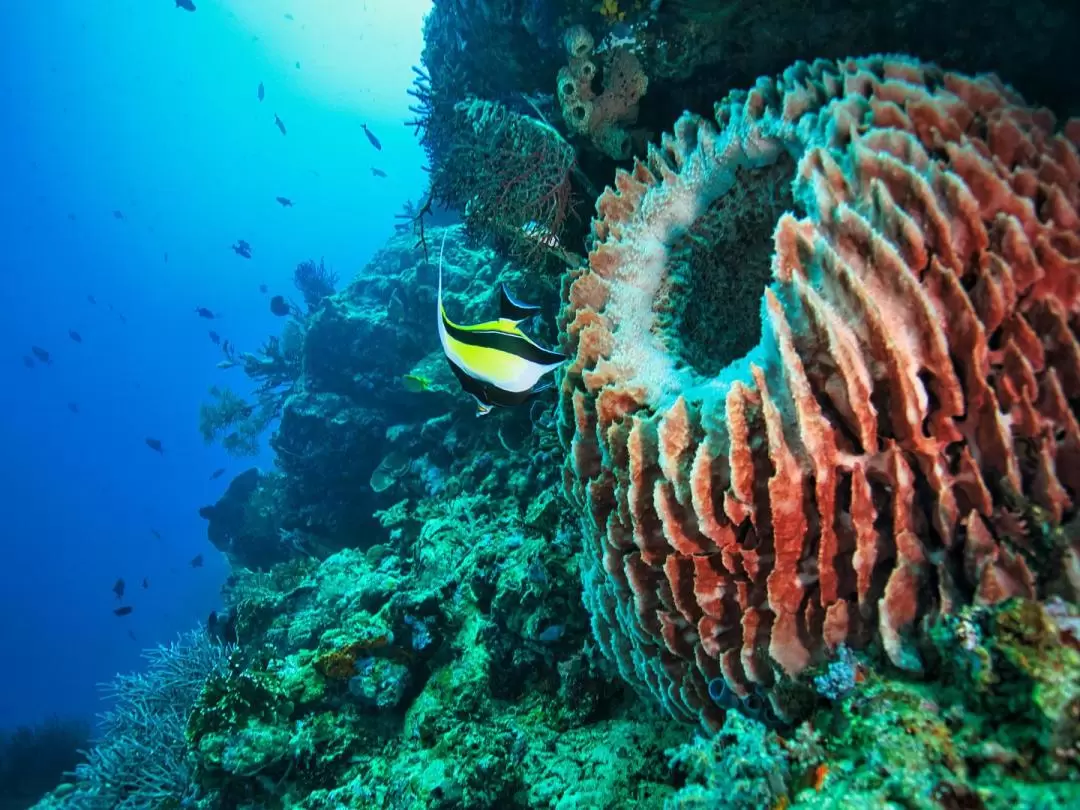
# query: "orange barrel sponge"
{"type": "Point", "coordinates": [824, 377]}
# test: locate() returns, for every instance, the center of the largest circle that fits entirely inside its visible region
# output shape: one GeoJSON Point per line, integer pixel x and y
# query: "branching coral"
{"type": "Point", "coordinates": [604, 116]}
{"type": "Point", "coordinates": [275, 369]}
{"type": "Point", "coordinates": [314, 281]}
{"type": "Point", "coordinates": [916, 376]}
{"type": "Point", "coordinates": [140, 760]}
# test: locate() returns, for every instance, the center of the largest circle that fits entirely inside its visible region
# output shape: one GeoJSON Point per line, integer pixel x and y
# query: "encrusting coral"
{"type": "Point", "coordinates": [905, 417]}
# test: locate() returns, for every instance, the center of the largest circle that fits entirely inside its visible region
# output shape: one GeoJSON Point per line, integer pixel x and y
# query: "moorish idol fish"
{"type": "Point", "coordinates": [494, 361]}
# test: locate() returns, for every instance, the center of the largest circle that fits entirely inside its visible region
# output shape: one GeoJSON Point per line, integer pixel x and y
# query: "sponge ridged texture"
{"type": "Point", "coordinates": [911, 398]}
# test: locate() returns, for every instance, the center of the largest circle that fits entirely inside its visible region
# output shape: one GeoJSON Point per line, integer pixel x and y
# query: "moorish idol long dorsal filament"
{"type": "Point", "coordinates": [496, 363]}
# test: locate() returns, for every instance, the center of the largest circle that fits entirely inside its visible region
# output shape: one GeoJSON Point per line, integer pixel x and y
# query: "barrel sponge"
{"type": "Point", "coordinates": [824, 375]}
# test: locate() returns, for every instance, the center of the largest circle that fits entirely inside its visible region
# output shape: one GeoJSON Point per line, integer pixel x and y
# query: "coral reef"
{"type": "Point", "coordinates": [245, 523]}
{"type": "Point", "coordinates": [350, 408]}
{"type": "Point", "coordinates": [688, 53]}
{"type": "Point", "coordinates": [315, 282]}
{"type": "Point", "coordinates": [900, 440]}
{"type": "Point", "coordinates": [140, 758]}
{"type": "Point", "coordinates": [971, 737]}
{"type": "Point", "coordinates": [274, 370]}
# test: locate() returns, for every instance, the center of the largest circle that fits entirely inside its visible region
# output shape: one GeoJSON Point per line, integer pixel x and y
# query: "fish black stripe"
{"type": "Point", "coordinates": [485, 392]}
{"type": "Point", "coordinates": [512, 308]}
{"type": "Point", "coordinates": [502, 342]}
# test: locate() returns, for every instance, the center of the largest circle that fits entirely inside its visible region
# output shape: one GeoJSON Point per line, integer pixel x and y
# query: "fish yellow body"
{"type": "Point", "coordinates": [496, 363]}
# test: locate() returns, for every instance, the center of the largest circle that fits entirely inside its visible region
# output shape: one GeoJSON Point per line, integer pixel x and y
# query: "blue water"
{"type": "Point", "coordinates": [140, 107]}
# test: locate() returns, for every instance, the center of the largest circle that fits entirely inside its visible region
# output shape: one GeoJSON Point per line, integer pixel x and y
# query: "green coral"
{"type": "Point", "coordinates": [742, 767]}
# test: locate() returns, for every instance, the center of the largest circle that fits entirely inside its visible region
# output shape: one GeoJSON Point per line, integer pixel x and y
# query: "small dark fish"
{"type": "Point", "coordinates": [73, 407]}
{"type": "Point", "coordinates": [145, 583]}
{"type": "Point", "coordinates": [91, 299]}
{"type": "Point", "coordinates": [155, 445]}
{"type": "Point", "coordinates": [156, 533]}
{"type": "Point", "coordinates": [285, 202]}
{"type": "Point", "coordinates": [242, 248]}
{"type": "Point", "coordinates": [186, 5]}
{"type": "Point", "coordinates": [263, 289]}
{"type": "Point", "coordinates": [217, 473]}
{"type": "Point", "coordinates": [371, 137]}
{"type": "Point", "coordinates": [28, 361]}
{"type": "Point", "coordinates": [74, 336]}
{"type": "Point", "coordinates": [126, 609]}
{"type": "Point", "coordinates": [203, 312]}
{"type": "Point", "coordinates": [196, 561]}
{"type": "Point", "coordinates": [41, 355]}
{"type": "Point", "coordinates": [279, 306]}
{"type": "Point", "coordinates": [279, 124]}
{"type": "Point", "coordinates": [378, 172]}
{"type": "Point", "coordinates": [215, 338]}
{"type": "Point", "coordinates": [262, 91]}
{"type": "Point", "coordinates": [118, 588]}
{"type": "Point", "coordinates": [118, 214]}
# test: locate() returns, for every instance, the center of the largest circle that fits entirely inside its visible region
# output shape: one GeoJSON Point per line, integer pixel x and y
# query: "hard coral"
{"type": "Point", "coordinates": [916, 373]}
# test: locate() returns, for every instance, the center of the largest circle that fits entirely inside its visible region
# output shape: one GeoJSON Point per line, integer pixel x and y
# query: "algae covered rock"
{"type": "Point", "coordinates": [245, 523]}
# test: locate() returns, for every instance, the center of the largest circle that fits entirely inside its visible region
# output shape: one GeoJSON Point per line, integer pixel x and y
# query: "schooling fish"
{"type": "Point", "coordinates": [203, 312]}
{"type": "Point", "coordinates": [262, 91]}
{"type": "Point", "coordinates": [217, 473]}
{"type": "Point", "coordinates": [118, 588]}
{"type": "Point", "coordinates": [155, 445]}
{"type": "Point", "coordinates": [73, 407]}
{"type": "Point", "coordinates": [377, 172]}
{"type": "Point", "coordinates": [196, 561]}
{"type": "Point", "coordinates": [28, 361]}
{"type": "Point", "coordinates": [126, 609]}
{"type": "Point", "coordinates": [74, 336]}
{"type": "Point", "coordinates": [494, 361]}
{"type": "Point", "coordinates": [41, 355]}
{"type": "Point", "coordinates": [186, 5]}
{"type": "Point", "coordinates": [285, 202]}
{"type": "Point", "coordinates": [242, 248]}
{"type": "Point", "coordinates": [279, 124]}
{"type": "Point", "coordinates": [371, 137]}
{"type": "Point", "coordinates": [215, 338]}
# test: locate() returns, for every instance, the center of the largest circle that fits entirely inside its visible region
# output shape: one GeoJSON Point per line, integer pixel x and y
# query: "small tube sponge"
{"type": "Point", "coordinates": [602, 117]}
